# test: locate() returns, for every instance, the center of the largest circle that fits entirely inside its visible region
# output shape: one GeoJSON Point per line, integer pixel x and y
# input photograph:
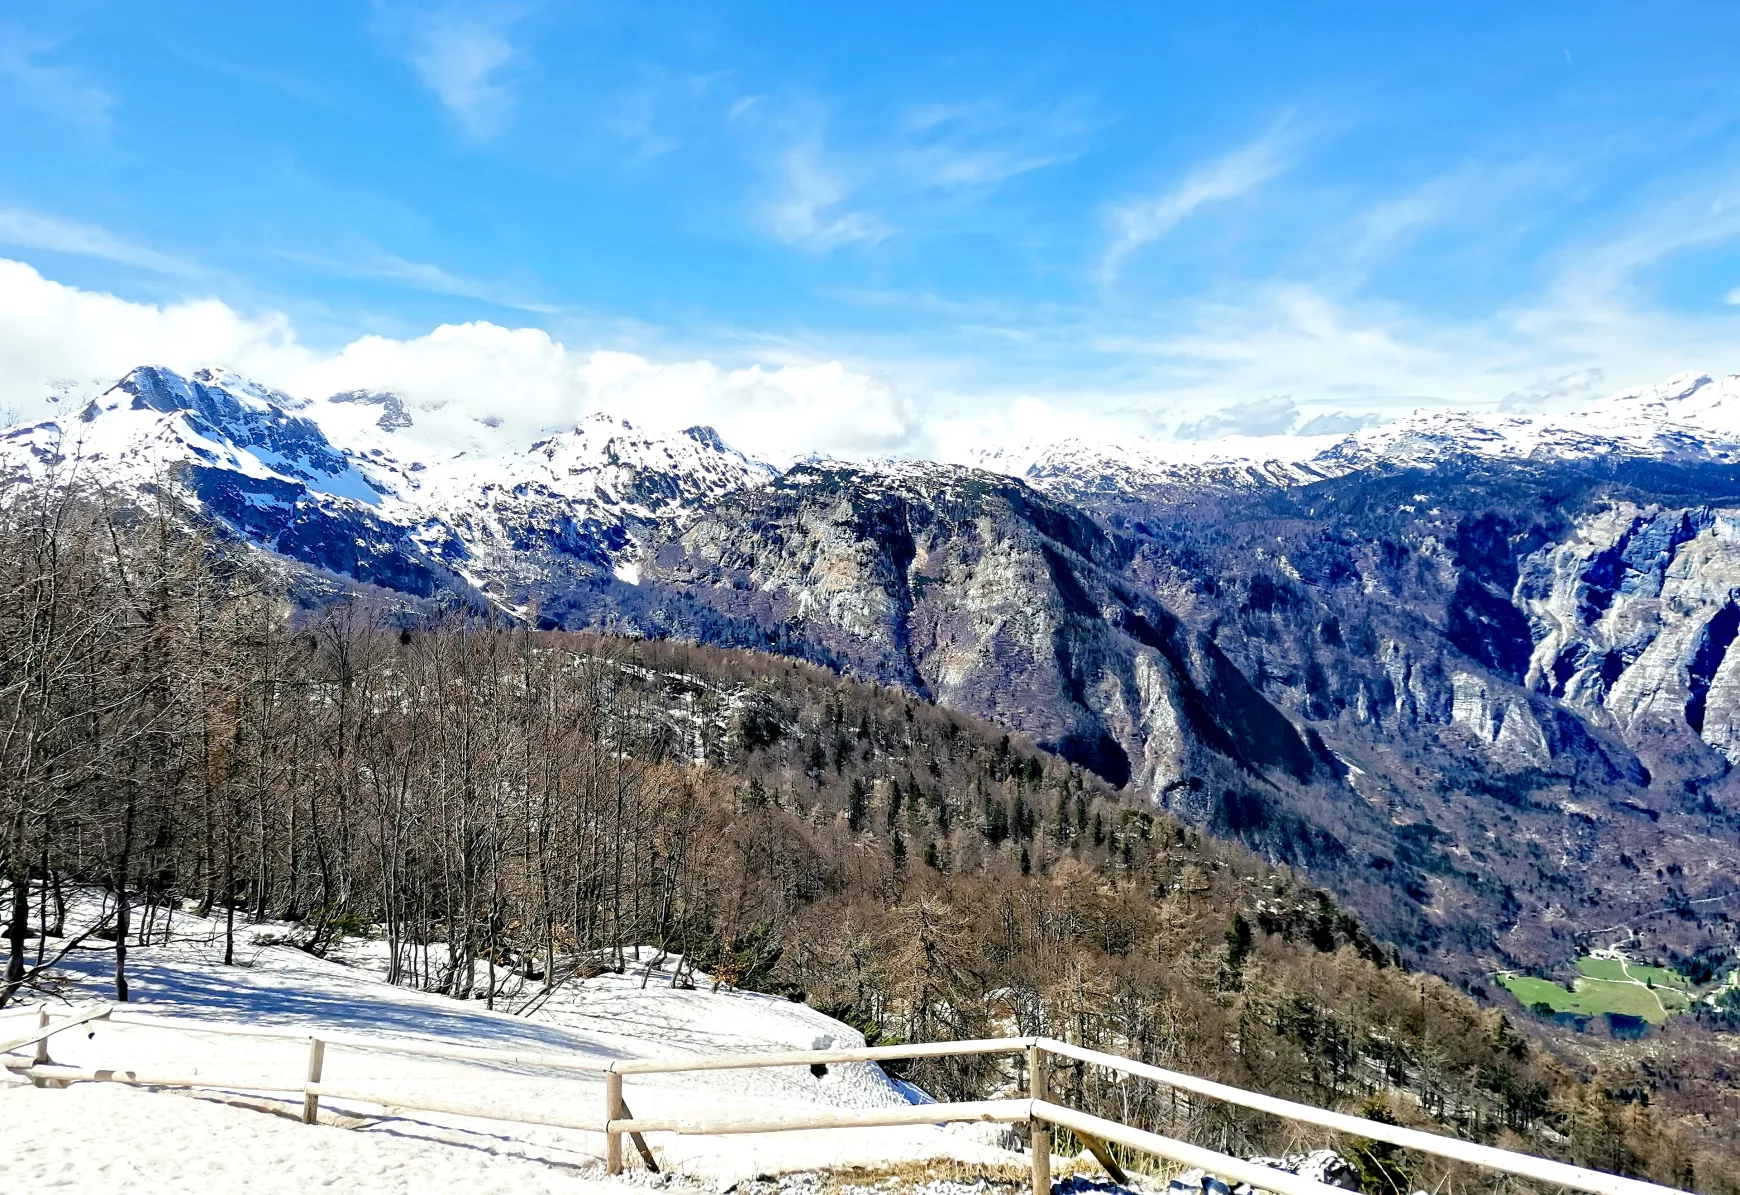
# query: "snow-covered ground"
{"type": "Point", "coordinates": [96, 1137]}
{"type": "Point", "coordinates": [95, 1133]}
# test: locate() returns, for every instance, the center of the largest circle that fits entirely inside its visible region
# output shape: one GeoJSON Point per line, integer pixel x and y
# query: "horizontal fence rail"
{"type": "Point", "coordinates": [1454, 1148]}
{"type": "Point", "coordinates": [1036, 1110]}
{"type": "Point", "coordinates": [728, 1062]}
{"type": "Point", "coordinates": [1224, 1166]}
{"type": "Point", "coordinates": [973, 1112]}
{"type": "Point", "coordinates": [385, 1045]}
{"type": "Point", "coordinates": [44, 1030]}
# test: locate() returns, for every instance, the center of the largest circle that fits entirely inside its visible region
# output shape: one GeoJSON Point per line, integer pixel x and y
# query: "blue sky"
{"type": "Point", "coordinates": [998, 219]}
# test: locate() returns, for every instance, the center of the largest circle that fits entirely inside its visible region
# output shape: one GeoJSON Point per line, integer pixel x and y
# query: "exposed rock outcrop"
{"type": "Point", "coordinates": [971, 589]}
{"type": "Point", "coordinates": [1635, 616]}
{"type": "Point", "coordinates": [1501, 722]}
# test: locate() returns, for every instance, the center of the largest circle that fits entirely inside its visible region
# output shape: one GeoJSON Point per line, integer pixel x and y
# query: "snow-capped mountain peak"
{"type": "Point", "coordinates": [1689, 402]}
{"type": "Point", "coordinates": [615, 452]}
{"type": "Point", "coordinates": [1689, 417]}
{"type": "Point", "coordinates": [344, 484]}
{"type": "Point", "coordinates": [1145, 467]}
{"type": "Point", "coordinates": [417, 496]}
{"type": "Point", "coordinates": [215, 392]}
{"type": "Point", "coordinates": [154, 423]}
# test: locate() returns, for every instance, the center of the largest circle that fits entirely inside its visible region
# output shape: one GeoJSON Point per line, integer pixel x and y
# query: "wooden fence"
{"type": "Point", "coordinates": [1036, 1109]}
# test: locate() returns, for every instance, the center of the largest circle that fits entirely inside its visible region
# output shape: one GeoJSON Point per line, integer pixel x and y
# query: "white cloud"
{"type": "Point", "coordinates": [81, 340]}
{"type": "Point", "coordinates": [37, 230]}
{"type": "Point", "coordinates": [1142, 222]}
{"type": "Point", "coordinates": [1272, 416]}
{"type": "Point", "coordinates": [1546, 392]}
{"type": "Point", "coordinates": [459, 375]}
{"type": "Point", "coordinates": [782, 413]}
{"type": "Point", "coordinates": [1335, 423]}
{"type": "Point", "coordinates": [980, 145]}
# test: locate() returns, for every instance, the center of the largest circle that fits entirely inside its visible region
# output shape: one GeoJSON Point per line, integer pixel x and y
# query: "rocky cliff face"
{"type": "Point", "coordinates": [969, 588]}
{"type": "Point", "coordinates": [1633, 619]}
{"type": "Point", "coordinates": [1508, 659]}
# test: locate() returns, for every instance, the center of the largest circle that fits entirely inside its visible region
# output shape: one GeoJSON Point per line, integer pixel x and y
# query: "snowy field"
{"type": "Point", "coordinates": [102, 1137]}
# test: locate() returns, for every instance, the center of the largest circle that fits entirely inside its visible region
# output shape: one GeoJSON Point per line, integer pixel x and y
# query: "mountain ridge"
{"type": "Point", "coordinates": [1472, 672]}
{"type": "Point", "coordinates": [1691, 416]}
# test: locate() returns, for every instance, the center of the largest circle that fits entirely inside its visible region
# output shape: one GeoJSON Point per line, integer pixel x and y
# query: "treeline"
{"type": "Point", "coordinates": [506, 809]}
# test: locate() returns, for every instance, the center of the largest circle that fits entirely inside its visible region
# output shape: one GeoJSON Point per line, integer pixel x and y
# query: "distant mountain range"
{"type": "Point", "coordinates": [1476, 673]}
{"type": "Point", "coordinates": [1689, 418]}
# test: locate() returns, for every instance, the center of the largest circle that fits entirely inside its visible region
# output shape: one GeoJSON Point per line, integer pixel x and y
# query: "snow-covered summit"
{"type": "Point", "coordinates": [1691, 404]}
{"type": "Point", "coordinates": [1690, 417]}
{"type": "Point", "coordinates": [365, 483]}
{"type": "Point", "coordinates": [425, 497]}
{"type": "Point", "coordinates": [1142, 466]}
{"type": "Point", "coordinates": [154, 425]}
{"type": "Point", "coordinates": [629, 465]}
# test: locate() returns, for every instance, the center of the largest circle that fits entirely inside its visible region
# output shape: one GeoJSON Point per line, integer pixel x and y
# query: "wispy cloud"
{"type": "Point", "coordinates": [635, 120]}
{"type": "Point", "coordinates": [1544, 393]}
{"type": "Point", "coordinates": [1604, 270]}
{"type": "Point", "coordinates": [1336, 423]}
{"type": "Point", "coordinates": [63, 92]}
{"type": "Point", "coordinates": [932, 162]}
{"type": "Point", "coordinates": [987, 142]}
{"type": "Point", "coordinates": [461, 53]}
{"type": "Point", "coordinates": [381, 266]}
{"type": "Point", "coordinates": [1144, 221]}
{"type": "Point", "coordinates": [742, 105]}
{"type": "Point", "coordinates": [1485, 206]}
{"type": "Point", "coordinates": [810, 207]}
{"type": "Point", "coordinates": [38, 230]}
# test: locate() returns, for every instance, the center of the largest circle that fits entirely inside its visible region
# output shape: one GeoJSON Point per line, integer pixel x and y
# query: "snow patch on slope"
{"type": "Point", "coordinates": [637, 1014]}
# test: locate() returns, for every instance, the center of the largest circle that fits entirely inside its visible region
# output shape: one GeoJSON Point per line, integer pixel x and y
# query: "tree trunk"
{"type": "Point", "coordinates": [17, 927]}
{"type": "Point", "coordinates": [122, 917]}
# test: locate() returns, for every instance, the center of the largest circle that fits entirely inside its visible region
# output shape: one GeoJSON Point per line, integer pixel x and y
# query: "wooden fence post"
{"type": "Point", "coordinates": [42, 1058]}
{"type": "Point", "coordinates": [316, 1063]}
{"type": "Point", "coordinates": [1039, 1130]}
{"type": "Point", "coordinates": [612, 1112]}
